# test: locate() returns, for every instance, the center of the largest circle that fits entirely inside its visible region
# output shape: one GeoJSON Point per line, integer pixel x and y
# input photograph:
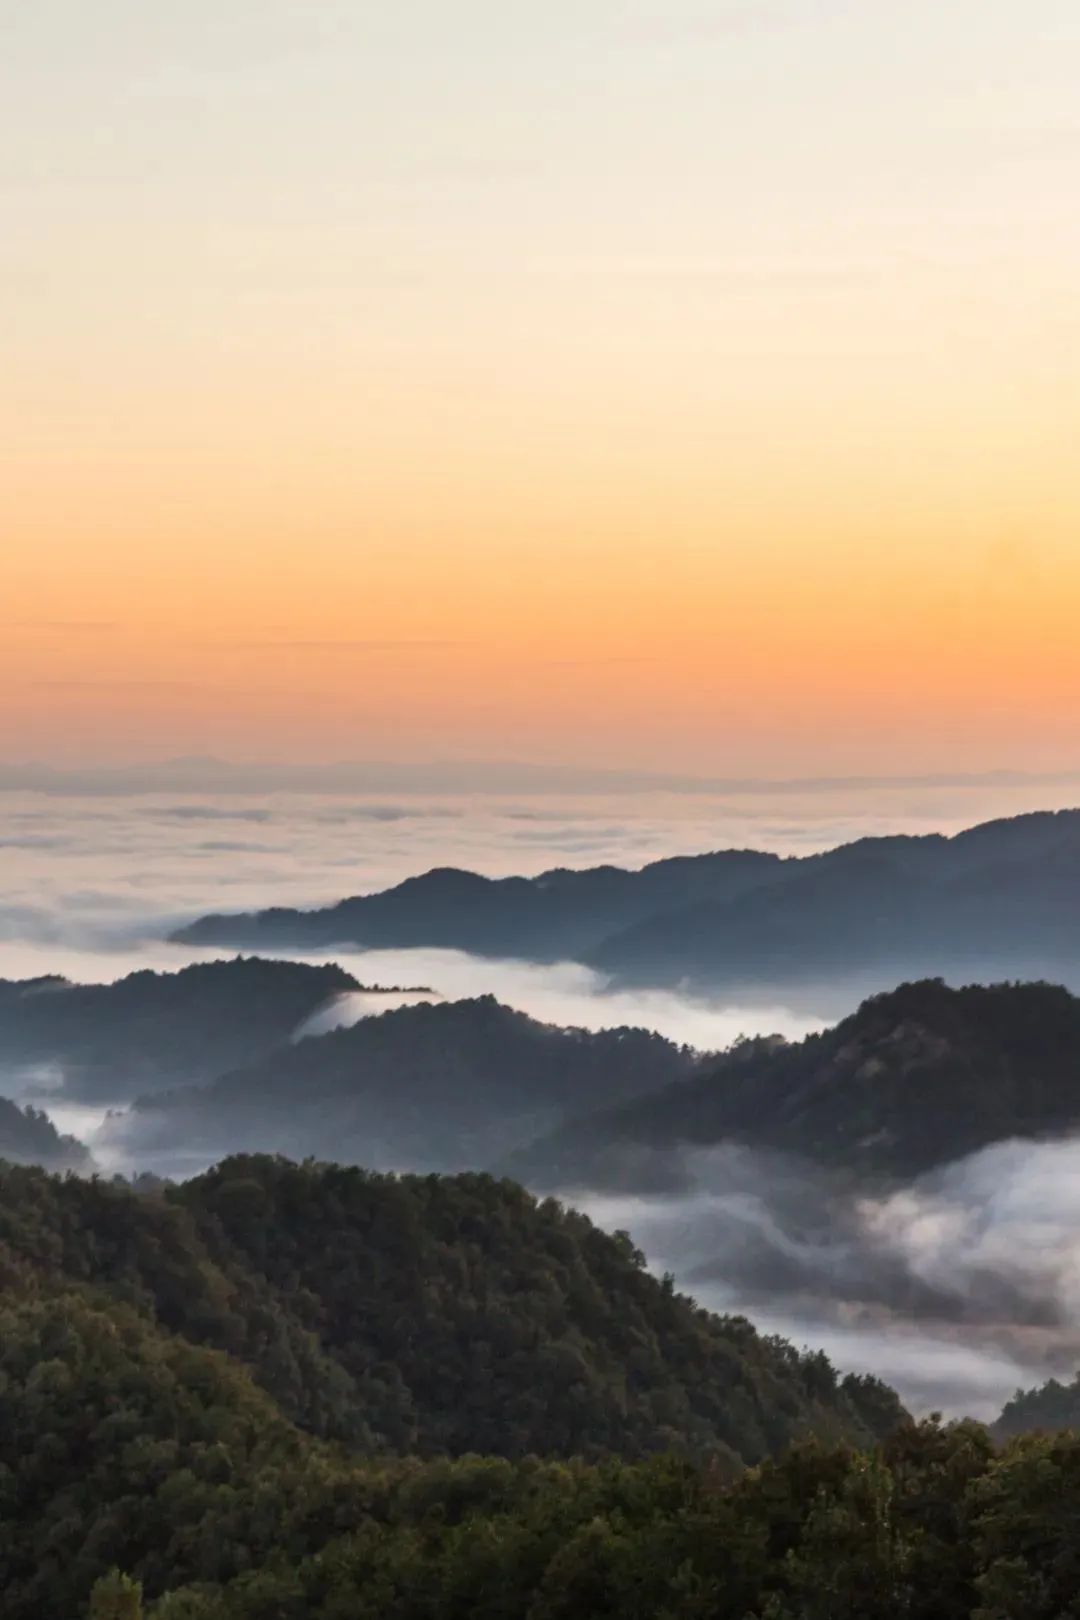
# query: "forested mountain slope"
{"type": "Point", "coordinates": [160, 1379]}
{"type": "Point", "coordinates": [28, 1136]}
{"type": "Point", "coordinates": [429, 1087]}
{"type": "Point", "coordinates": [1050, 1407]}
{"type": "Point", "coordinates": [916, 1077]}
{"type": "Point", "coordinates": [157, 1459]}
{"type": "Point", "coordinates": [427, 1314]}
{"type": "Point", "coordinates": [114, 1041]}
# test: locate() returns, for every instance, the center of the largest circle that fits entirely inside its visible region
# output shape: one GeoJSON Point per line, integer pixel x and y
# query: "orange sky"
{"type": "Point", "coordinates": [637, 391]}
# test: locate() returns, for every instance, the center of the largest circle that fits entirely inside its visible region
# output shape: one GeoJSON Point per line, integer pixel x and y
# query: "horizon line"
{"type": "Point", "coordinates": [479, 776]}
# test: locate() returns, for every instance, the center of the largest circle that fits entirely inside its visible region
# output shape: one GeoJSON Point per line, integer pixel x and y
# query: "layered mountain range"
{"type": "Point", "coordinates": [916, 1077]}
{"type": "Point", "coordinates": [212, 1060]}
{"type": "Point", "coordinates": [443, 1086]}
{"type": "Point", "coordinates": [997, 901]}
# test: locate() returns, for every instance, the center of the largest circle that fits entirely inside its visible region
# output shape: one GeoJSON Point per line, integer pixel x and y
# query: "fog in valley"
{"type": "Point", "coordinates": [956, 1287]}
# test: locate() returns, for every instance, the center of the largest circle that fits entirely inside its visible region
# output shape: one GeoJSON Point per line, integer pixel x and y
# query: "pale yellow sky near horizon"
{"type": "Point", "coordinates": [681, 385]}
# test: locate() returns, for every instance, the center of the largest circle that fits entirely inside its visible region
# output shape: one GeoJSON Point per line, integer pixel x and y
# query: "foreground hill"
{"type": "Point", "coordinates": [428, 1314]}
{"type": "Point", "coordinates": [145, 1472]}
{"type": "Point", "coordinates": [428, 1087]}
{"type": "Point", "coordinates": [917, 1077]}
{"type": "Point", "coordinates": [932, 1524]}
{"type": "Point", "coordinates": [113, 1041]}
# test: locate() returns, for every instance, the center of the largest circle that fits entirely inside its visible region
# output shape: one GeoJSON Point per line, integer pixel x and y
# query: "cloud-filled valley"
{"type": "Point", "coordinates": [957, 1287]}
{"type": "Point", "coordinates": [956, 1284]}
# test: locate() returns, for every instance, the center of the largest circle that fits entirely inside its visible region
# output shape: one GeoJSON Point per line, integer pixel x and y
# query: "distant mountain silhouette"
{"type": "Point", "coordinates": [1001, 900]}
{"type": "Point", "coordinates": [427, 1087]}
{"type": "Point", "coordinates": [113, 1041]}
{"type": "Point", "coordinates": [915, 1078]}
{"type": "Point", "coordinates": [557, 915]}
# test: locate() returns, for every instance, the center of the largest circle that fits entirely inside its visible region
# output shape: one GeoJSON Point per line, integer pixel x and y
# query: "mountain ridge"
{"type": "Point", "coordinates": [110, 1041]}
{"type": "Point", "coordinates": [433, 1086]}
{"type": "Point", "coordinates": [558, 912]}
{"type": "Point", "coordinates": [428, 1314]}
{"type": "Point", "coordinates": [29, 1137]}
{"type": "Point", "coordinates": [914, 1078]}
{"type": "Point", "coordinates": [996, 900]}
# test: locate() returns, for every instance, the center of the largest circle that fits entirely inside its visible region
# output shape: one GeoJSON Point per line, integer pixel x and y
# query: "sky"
{"type": "Point", "coordinates": [652, 384]}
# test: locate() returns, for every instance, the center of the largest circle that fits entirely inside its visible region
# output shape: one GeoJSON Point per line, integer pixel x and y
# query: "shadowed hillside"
{"type": "Point", "coordinates": [112, 1041]}
{"type": "Point", "coordinates": [998, 901]}
{"type": "Point", "coordinates": [429, 1087]}
{"type": "Point", "coordinates": [28, 1136]}
{"type": "Point", "coordinates": [559, 914]}
{"type": "Point", "coordinates": [915, 1078]}
{"type": "Point", "coordinates": [427, 1314]}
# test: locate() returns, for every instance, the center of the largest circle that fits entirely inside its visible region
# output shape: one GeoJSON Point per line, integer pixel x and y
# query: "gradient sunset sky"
{"type": "Point", "coordinates": [671, 384]}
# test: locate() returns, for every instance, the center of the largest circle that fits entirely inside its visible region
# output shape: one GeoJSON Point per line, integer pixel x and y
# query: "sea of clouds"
{"type": "Point", "coordinates": [957, 1288]}
{"type": "Point", "coordinates": [95, 879]}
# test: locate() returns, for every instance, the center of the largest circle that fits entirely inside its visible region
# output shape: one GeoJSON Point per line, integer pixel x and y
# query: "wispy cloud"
{"type": "Point", "coordinates": [80, 684]}
{"type": "Point", "coordinates": [358, 646]}
{"type": "Point", "coordinates": [733, 275]}
{"type": "Point", "coordinates": [594, 663]}
{"type": "Point", "coordinates": [210, 812]}
{"type": "Point", "coordinates": [95, 627]}
{"type": "Point", "coordinates": [494, 776]}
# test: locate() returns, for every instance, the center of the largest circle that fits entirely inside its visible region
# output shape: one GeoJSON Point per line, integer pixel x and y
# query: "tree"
{"type": "Point", "coordinates": [116, 1597]}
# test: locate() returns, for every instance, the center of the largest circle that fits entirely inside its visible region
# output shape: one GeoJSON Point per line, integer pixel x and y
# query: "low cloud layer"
{"type": "Point", "coordinates": [112, 874]}
{"type": "Point", "coordinates": [957, 1287]}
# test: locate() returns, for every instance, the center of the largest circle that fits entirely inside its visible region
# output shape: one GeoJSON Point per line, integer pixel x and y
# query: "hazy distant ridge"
{"type": "Point", "coordinates": [999, 900]}
{"type": "Point", "coordinates": [430, 1087]}
{"type": "Point", "coordinates": [113, 1041]}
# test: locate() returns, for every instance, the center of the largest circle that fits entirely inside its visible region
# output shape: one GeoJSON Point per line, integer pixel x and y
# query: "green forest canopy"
{"type": "Point", "coordinates": [203, 1388]}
